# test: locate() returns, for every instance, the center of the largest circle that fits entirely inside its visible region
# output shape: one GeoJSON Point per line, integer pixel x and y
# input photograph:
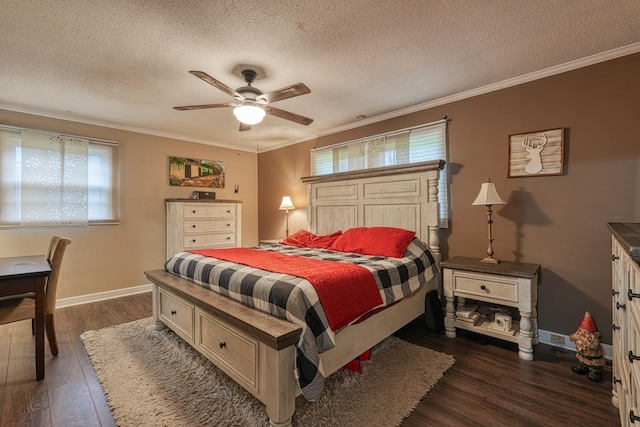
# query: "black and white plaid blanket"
{"type": "Point", "coordinates": [295, 299]}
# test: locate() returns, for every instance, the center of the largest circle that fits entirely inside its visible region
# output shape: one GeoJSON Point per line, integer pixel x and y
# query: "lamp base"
{"type": "Point", "coordinates": [490, 260]}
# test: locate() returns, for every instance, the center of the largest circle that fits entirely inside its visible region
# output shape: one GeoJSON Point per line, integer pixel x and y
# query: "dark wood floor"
{"type": "Point", "coordinates": [487, 386]}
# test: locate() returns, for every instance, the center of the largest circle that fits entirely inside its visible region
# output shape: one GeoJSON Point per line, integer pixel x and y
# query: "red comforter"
{"type": "Point", "coordinates": [346, 291]}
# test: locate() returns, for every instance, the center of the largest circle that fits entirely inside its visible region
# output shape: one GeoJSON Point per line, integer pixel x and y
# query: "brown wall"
{"type": "Point", "coordinates": [556, 221]}
{"type": "Point", "coordinates": [113, 257]}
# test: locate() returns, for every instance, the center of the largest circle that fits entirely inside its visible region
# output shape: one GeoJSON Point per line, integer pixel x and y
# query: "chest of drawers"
{"type": "Point", "coordinates": [197, 224]}
{"type": "Point", "coordinates": [625, 278]}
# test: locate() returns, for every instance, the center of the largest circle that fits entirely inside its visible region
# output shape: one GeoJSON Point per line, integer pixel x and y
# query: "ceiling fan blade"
{"type": "Point", "coordinates": [285, 93]}
{"type": "Point", "coordinates": [243, 127]}
{"type": "Point", "coordinates": [199, 107]}
{"type": "Point", "coordinates": [288, 115]}
{"type": "Point", "coordinates": [218, 84]}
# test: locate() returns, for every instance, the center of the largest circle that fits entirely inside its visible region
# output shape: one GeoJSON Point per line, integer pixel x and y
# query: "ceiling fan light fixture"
{"type": "Point", "coordinates": [249, 114]}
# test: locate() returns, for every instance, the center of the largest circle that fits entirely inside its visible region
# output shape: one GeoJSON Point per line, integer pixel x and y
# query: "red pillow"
{"type": "Point", "coordinates": [324, 242]}
{"type": "Point", "coordinates": [306, 239]}
{"type": "Point", "coordinates": [300, 238]}
{"type": "Point", "coordinates": [381, 241]}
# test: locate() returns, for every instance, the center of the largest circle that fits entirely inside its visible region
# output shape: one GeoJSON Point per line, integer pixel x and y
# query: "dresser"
{"type": "Point", "coordinates": [197, 224]}
{"type": "Point", "coordinates": [625, 281]}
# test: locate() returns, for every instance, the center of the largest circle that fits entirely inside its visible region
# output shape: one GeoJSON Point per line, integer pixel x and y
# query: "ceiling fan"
{"type": "Point", "coordinates": [251, 103]}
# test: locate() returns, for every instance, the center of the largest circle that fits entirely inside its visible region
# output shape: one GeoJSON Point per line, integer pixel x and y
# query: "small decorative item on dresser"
{"type": "Point", "coordinates": [205, 195]}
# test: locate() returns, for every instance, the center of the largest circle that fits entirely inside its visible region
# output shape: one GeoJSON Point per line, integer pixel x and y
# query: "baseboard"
{"type": "Point", "coordinates": [545, 337]}
{"type": "Point", "coordinates": [101, 296]}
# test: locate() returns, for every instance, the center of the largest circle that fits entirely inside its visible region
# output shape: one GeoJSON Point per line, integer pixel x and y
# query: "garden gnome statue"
{"type": "Point", "coordinates": [588, 349]}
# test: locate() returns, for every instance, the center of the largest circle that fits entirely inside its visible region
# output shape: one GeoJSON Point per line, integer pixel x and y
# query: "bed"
{"type": "Point", "coordinates": [260, 351]}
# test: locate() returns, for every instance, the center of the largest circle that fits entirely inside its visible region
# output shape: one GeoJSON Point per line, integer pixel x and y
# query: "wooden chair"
{"type": "Point", "coordinates": [23, 307]}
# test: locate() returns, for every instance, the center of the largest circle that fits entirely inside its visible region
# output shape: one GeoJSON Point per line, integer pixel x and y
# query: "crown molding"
{"type": "Point", "coordinates": [144, 131]}
{"type": "Point", "coordinates": [515, 81]}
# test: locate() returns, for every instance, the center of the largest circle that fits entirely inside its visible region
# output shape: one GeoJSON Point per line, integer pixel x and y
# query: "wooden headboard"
{"type": "Point", "coordinates": [403, 196]}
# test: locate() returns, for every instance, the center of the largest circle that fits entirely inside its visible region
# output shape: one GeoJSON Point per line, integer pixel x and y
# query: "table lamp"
{"type": "Point", "coordinates": [285, 206]}
{"type": "Point", "coordinates": [488, 196]}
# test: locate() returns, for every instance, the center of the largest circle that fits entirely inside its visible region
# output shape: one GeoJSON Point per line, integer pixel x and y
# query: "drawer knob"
{"type": "Point", "coordinates": [614, 327]}
{"type": "Point", "coordinates": [194, 240]}
{"type": "Point", "coordinates": [483, 287]}
{"type": "Point", "coordinates": [193, 226]}
{"type": "Point", "coordinates": [614, 257]}
{"type": "Point", "coordinates": [620, 306]}
{"type": "Point", "coordinates": [228, 238]}
{"type": "Point", "coordinates": [173, 312]}
{"type": "Point", "coordinates": [228, 211]}
{"type": "Point", "coordinates": [194, 211]}
{"type": "Point", "coordinates": [631, 295]}
{"type": "Point", "coordinates": [616, 380]}
{"type": "Point", "coordinates": [614, 292]}
{"type": "Point", "coordinates": [633, 417]}
{"type": "Point", "coordinates": [633, 357]}
{"type": "Point", "coordinates": [223, 344]}
{"type": "Point", "coordinates": [228, 225]}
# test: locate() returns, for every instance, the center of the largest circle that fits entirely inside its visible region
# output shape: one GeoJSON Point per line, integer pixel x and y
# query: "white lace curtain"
{"type": "Point", "coordinates": [54, 179]}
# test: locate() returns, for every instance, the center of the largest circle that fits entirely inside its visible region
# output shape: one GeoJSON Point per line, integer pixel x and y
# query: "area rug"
{"type": "Point", "coordinates": [154, 378]}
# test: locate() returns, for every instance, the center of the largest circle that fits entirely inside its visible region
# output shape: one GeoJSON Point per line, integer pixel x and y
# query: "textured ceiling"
{"type": "Point", "coordinates": [125, 64]}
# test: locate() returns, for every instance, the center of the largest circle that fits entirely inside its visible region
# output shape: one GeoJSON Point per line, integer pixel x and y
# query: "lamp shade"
{"type": "Point", "coordinates": [249, 114]}
{"type": "Point", "coordinates": [286, 204]}
{"type": "Point", "coordinates": [488, 195]}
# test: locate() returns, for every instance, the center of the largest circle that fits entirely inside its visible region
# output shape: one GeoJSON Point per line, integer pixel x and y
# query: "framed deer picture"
{"type": "Point", "coordinates": [536, 153]}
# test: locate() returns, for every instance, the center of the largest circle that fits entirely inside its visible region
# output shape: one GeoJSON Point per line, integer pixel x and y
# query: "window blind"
{"type": "Point", "coordinates": [54, 179]}
{"type": "Point", "coordinates": [413, 145]}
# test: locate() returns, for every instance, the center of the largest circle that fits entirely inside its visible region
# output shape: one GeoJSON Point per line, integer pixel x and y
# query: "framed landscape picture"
{"type": "Point", "coordinates": [185, 172]}
{"type": "Point", "coordinates": [536, 153]}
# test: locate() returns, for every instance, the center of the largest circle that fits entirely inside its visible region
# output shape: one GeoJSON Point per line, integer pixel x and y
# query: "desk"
{"type": "Point", "coordinates": [28, 274]}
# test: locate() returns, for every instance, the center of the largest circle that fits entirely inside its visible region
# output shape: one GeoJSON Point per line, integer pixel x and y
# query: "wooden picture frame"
{"type": "Point", "coordinates": [539, 153]}
{"type": "Point", "coordinates": [185, 172]}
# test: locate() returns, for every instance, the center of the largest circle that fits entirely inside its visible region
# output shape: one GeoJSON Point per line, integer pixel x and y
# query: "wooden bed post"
{"type": "Point", "coordinates": [282, 386]}
{"type": "Point", "coordinates": [155, 300]}
{"type": "Point", "coordinates": [433, 215]}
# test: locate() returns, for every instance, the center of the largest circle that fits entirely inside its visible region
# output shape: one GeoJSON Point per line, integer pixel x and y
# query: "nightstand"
{"type": "Point", "coordinates": [269, 242]}
{"type": "Point", "coordinates": [507, 284]}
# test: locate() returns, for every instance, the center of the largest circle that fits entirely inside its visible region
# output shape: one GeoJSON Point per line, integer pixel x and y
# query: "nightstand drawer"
{"type": "Point", "coordinates": [485, 286]}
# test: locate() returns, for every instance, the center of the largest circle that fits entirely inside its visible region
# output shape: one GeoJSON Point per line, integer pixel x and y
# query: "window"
{"type": "Point", "coordinates": [417, 144]}
{"type": "Point", "coordinates": [53, 179]}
